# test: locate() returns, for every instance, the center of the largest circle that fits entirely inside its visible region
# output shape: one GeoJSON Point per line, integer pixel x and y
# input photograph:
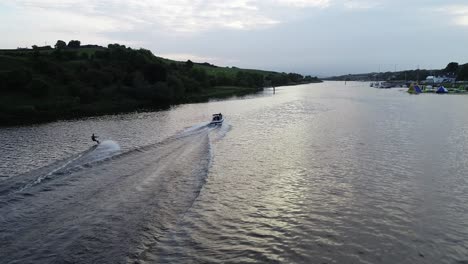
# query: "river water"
{"type": "Point", "coordinates": [319, 173]}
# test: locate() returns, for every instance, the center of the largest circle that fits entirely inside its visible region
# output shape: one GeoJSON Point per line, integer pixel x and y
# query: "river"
{"type": "Point", "coordinates": [319, 173]}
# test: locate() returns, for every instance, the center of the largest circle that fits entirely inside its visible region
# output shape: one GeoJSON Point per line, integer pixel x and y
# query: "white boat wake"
{"type": "Point", "coordinates": [105, 206]}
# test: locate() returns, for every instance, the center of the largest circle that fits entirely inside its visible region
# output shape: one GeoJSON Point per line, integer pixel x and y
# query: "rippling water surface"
{"type": "Point", "coordinates": [321, 173]}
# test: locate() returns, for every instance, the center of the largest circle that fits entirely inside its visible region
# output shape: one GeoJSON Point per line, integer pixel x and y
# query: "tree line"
{"type": "Point", "coordinates": [452, 70]}
{"type": "Point", "coordinates": [70, 78]}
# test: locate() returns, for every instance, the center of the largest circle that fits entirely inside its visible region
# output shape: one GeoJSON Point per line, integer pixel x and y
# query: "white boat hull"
{"type": "Point", "coordinates": [217, 122]}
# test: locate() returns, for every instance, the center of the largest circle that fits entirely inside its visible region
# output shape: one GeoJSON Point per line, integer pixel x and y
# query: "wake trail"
{"type": "Point", "coordinates": [109, 213]}
{"type": "Point", "coordinates": [89, 157]}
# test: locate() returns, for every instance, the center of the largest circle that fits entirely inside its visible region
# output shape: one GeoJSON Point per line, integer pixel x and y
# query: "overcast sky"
{"type": "Point", "coordinates": [318, 37]}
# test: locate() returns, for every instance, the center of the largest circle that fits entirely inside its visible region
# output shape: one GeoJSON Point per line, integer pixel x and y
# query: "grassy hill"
{"type": "Point", "coordinates": [45, 83]}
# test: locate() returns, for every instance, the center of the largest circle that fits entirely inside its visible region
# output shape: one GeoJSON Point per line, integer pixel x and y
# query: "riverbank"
{"type": "Point", "coordinates": [44, 84]}
{"type": "Point", "coordinates": [34, 112]}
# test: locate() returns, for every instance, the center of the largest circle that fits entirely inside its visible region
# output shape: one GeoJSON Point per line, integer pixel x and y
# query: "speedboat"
{"type": "Point", "coordinates": [217, 119]}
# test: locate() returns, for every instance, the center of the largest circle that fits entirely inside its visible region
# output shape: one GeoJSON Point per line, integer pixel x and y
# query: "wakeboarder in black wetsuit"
{"type": "Point", "coordinates": [94, 138]}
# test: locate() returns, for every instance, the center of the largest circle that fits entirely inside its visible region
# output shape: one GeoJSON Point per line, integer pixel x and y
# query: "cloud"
{"type": "Point", "coordinates": [305, 3]}
{"type": "Point", "coordinates": [349, 4]}
{"type": "Point", "coordinates": [27, 25]}
{"type": "Point", "coordinates": [357, 4]}
{"type": "Point", "coordinates": [459, 13]}
{"type": "Point", "coordinates": [208, 15]}
{"type": "Point", "coordinates": [174, 16]}
{"type": "Point", "coordinates": [462, 20]}
{"type": "Point", "coordinates": [167, 15]}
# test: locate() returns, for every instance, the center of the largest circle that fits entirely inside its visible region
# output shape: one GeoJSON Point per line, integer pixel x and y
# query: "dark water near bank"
{"type": "Point", "coordinates": [321, 173]}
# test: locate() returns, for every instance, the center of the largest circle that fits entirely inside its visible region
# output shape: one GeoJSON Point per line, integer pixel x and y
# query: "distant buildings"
{"type": "Point", "coordinates": [439, 79]}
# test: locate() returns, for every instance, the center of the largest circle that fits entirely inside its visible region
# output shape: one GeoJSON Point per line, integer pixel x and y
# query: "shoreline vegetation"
{"type": "Point", "coordinates": [69, 81]}
{"type": "Point", "coordinates": [453, 79]}
{"type": "Point", "coordinates": [455, 71]}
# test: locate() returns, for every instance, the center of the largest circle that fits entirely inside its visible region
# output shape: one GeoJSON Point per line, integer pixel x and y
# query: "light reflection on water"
{"type": "Point", "coordinates": [322, 173]}
{"type": "Point", "coordinates": [339, 176]}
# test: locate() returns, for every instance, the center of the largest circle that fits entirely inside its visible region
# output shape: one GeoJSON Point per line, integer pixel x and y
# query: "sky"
{"type": "Point", "coordinates": [316, 37]}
